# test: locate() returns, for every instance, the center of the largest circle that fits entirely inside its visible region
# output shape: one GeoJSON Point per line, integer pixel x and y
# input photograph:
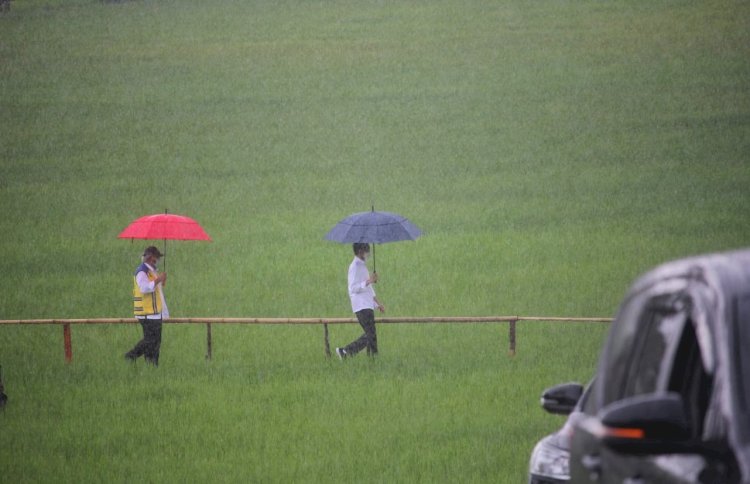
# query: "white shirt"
{"type": "Point", "coordinates": [147, 286]}
{"type": "Point", "coordinates": [361, 294]}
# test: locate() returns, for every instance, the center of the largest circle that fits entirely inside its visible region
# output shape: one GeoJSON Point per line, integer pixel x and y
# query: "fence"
{"type": "Point", "coordinates": [511, 320]}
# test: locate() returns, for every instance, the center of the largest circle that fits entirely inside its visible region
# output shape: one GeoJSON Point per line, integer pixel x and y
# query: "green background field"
{"type": "Point", "coordinates": [551, 151]}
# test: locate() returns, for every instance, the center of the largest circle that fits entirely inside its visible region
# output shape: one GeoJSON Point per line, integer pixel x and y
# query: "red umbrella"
{"type": "Point", "coordinates": [164, 226]}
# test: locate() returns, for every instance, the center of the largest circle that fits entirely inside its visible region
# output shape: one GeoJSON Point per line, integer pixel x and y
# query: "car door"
{"type": "Point", "coordinates": [681, 371]}
{"type": "Point", "coordinates": [652, 348]}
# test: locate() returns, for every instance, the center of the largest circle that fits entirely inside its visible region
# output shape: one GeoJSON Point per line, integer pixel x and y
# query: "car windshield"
{"type": "Point", "coordinates": [581, 405]}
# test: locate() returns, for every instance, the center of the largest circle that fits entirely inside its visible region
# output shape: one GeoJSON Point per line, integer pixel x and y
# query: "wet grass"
{"type": "Point", "coordinates": [270, 407]}
{"type": "Point", "coordinates": [551, 152]}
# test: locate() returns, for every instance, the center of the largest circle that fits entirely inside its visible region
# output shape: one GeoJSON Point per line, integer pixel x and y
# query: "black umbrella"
{"type": "Point", "coordinates": [374, 228]}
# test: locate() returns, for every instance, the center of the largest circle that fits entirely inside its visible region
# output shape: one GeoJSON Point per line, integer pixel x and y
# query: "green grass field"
{"type": "Point", "coordinates": [551, 151]}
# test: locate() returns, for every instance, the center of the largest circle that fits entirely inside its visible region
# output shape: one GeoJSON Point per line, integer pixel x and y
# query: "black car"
{"type": "Point", "coordinates": [672, 397]}
{"type": "Point", "coordinates": [549, 463]}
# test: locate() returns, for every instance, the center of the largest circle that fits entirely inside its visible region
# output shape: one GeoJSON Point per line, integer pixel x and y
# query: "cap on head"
{"type": "Point", "coordinates": [152, 251]}
{"type": "Point", "coordinates": [358, 246]}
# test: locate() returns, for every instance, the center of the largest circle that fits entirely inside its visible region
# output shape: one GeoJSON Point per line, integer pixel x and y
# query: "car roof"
{"type": "Point", "coordinates": [728, 271]}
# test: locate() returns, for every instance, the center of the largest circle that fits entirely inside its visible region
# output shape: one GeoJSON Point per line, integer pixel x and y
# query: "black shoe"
{"type": "Point", "coordinates": [341, 352]}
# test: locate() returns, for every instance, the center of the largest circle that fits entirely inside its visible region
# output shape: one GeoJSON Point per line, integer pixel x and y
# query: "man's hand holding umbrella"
{"type": "Point", "coordinates": [372, 280]}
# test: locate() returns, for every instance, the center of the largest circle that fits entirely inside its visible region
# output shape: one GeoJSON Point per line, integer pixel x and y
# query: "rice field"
{"type": "Point", "coordinates": [550, 151]}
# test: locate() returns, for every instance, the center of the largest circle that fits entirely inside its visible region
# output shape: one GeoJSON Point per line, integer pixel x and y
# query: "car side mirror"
{"type": "Point", "coordinates": [562, 399]}
{"type": "Point", "coordinates": [647, 424]}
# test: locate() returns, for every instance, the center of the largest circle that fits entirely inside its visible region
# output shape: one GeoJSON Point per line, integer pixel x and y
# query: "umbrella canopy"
{"type": "Point", "coordinates": [373, 227]}
{"type": "Point", "coordinates": [165, 226]}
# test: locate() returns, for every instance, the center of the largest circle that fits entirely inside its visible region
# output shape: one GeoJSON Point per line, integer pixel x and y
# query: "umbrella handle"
{"type": "Point", "coordinates": [166, 211]}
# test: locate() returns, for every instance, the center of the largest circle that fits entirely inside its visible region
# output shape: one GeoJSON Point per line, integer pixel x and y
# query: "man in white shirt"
{"type": "Point", "coordinates": [364, 302]}
{"type": "Point", "coordinates": [149, 306]}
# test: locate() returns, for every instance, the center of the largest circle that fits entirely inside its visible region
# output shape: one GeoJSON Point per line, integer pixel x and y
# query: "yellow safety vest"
{"type": "Point", "coordinates": [149, 303]}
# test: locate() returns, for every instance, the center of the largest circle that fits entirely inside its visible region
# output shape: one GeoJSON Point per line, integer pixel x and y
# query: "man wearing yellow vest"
{"type": "Point", "coordinates": [149, 306]}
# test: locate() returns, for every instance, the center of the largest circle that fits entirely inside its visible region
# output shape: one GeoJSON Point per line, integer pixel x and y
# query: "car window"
{"type": "Point", "coordinates": [741, 364]}
{"type": "Point", "coordinates": [642, 346]}
{"type": "Point", "coordinates": [690, 379]}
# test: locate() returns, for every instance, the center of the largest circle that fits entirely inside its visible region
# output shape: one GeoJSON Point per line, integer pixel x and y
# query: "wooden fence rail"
{"type": "Point", "coordinates": [511, 320]}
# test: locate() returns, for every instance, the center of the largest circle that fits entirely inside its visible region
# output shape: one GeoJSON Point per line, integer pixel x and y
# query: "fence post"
{"type": "Point", "coordinates": [208, 341]}
{"type": "Point", "coordinates": [512, 337]}
{"type": "Point", "coordinates": [325, 337]}
{"type": "Point", "coordinates": [67, 342]}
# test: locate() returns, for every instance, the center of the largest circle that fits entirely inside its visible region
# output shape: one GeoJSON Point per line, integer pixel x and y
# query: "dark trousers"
{"type": "Point", "coordinates": [369, 339]}
{"type": "Point", "coordinates": [150, 344]}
